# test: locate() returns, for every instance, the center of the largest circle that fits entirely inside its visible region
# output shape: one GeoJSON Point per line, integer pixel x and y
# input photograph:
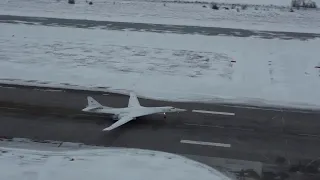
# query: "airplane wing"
{"type": "Point", "coordinates": [120, 122]}
{"type": "Point", "coordinates": [127, 118]}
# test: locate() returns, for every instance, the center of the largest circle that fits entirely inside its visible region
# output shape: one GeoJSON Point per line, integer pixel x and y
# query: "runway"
{"type": "Point", "coordinates": [271, 136]}
{"type": "Point", "coordinates": [199, 115]}
{"type": "Point", "coordinates": [158, 28]}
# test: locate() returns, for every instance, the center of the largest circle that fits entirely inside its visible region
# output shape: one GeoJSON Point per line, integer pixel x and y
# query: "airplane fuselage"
{"type": "Point", "coordinates": [138, 111]}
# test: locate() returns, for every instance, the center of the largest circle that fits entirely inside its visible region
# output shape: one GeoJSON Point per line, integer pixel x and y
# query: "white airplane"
{"type": "Point", "coordinates": [124, 115]}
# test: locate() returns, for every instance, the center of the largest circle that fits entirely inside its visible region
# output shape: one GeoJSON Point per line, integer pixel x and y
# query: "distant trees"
{"type": "Point", "coordinates": [214, 6]}
{"type": "Point", "coordinates": [303, 3]}
{"type": "Point", "coordinates": [73, 1]}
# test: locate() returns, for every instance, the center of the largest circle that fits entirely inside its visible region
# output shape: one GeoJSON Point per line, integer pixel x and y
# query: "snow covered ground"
{"type": "Point", "coordinates": [181, 14]}
{"type": "Point", "coordinates": [249, 2]}
{"type": "Point", "coordinates": [46, 162]}
{"type": "Point", "coordinates": [165, 66]}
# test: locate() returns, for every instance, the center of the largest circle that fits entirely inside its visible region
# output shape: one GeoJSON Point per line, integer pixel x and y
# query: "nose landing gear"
{"type": "Point", "coordinates": [164, 115]}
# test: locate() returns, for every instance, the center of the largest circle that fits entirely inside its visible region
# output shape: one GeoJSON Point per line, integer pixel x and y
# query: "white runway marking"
{"type": "Point", "coordinates": [309, 135]}
{"type": "Point", "coordinates": [217, 126]}
{"type": "Point", "coordinates": [205, 143]}
{"type": "Point", "coordinates": [214, 112]}
{"type": "Point", "coordinates": [12, 108]}
{"type": "Point", "coordinates": [277, 109]}
{"type": "Point", "coordinates": [203, 125]}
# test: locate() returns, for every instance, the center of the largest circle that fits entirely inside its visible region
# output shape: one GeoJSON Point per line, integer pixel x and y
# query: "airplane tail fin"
{"type": "Point", "coordinates": [92, 104]}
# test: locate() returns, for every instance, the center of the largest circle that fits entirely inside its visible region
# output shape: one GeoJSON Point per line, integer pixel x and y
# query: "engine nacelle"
{"type": "Point", "coordinates": [115, 117]}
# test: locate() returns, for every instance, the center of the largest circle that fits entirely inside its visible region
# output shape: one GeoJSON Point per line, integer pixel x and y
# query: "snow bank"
{"type": "Point", "coordinates": [249, 2]}
{"type": "Point", "coordinates": [99, 164]}
{"type": "Point", "coordinates": [179, 14]}
{"type": "Point", "coordinates": [165, 66]}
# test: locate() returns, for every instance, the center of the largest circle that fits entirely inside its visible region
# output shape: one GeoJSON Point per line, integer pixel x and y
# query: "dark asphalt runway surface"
{"type": "Point", "coordinates": [159, 28]}
{"type": "Point", "coordinates": [268, 136]}
{"type": "Point", "coordinates": [288, 121]}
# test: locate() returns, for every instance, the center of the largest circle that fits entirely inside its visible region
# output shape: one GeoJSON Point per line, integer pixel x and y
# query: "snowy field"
{"type": "Point", "coordinates": [165, 66]}
{"type": "Point", "coordinates": [249, 2]}
{"type": "Point", "coordinates": [180, 14]}
{"type": "Point", "coordinates": [45, 162]}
